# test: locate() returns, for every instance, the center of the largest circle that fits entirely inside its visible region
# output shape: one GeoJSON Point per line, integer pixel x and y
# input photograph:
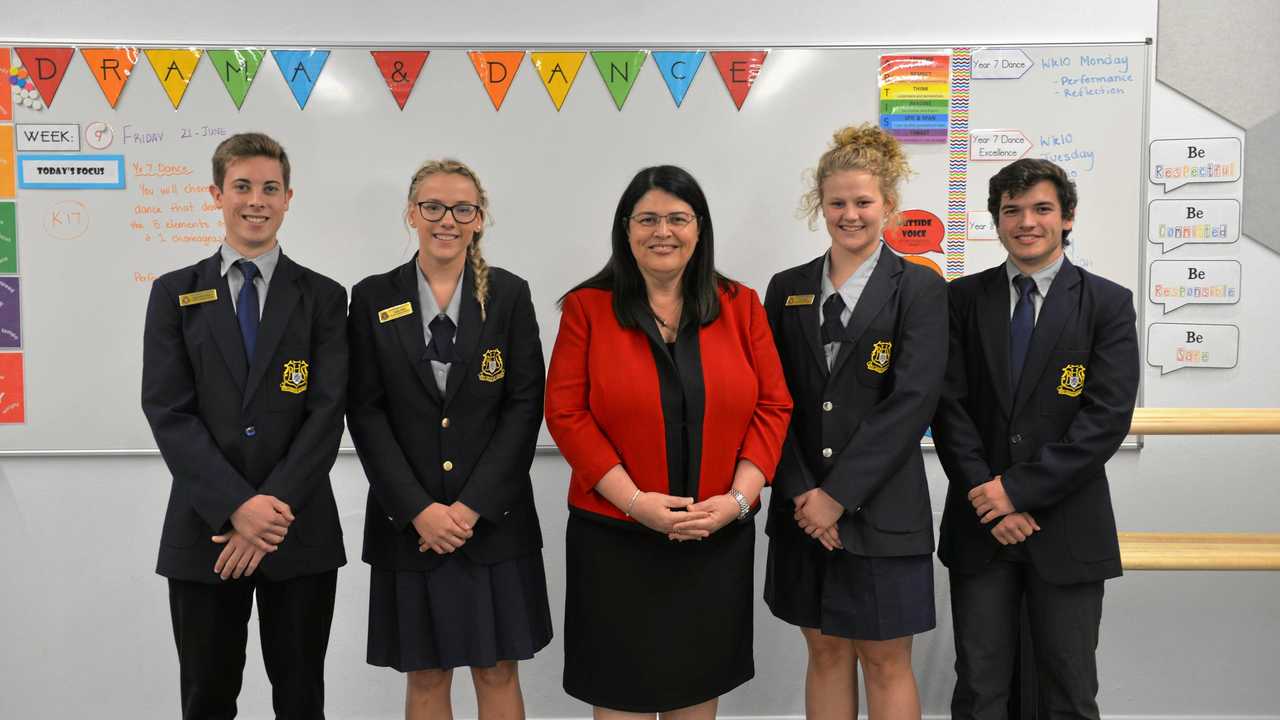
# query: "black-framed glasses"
{"type": "Point", "coordinates": [674, 220]}
{"type": "Point", "coordinates": [433, 211]}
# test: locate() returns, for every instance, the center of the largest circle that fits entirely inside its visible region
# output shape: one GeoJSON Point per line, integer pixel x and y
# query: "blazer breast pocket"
{"type": "Point", "coordinates": [288, 381]}
{"type": "Point", "coordinates": [1064, 382]}
{"type": "Point", "coordinates": [873, 358]}
{"type": "Point", "coordinates": [490, 370]}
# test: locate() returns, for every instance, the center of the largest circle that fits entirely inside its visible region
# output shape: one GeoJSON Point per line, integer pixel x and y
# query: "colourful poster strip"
{"type": "Point", "coordinates": [7, 170]}
{"type": "Point", "coordinates": [174, 68]}
{"type": "Point", "coordinates": [47, 66]}
{"type": "Point", "coordinates": [6, 95]}
{"type": "Point", "coordinates": [237, 68]}
{"type": "Point", "coordinates": [111, 68]}
{"type": "Point", "coordinates": [739, 69]}
{"type": "Point", "coordinates": [400, 70]}
{"type": "Point", "coordinates": [678, 67]}
{"type": "Point", "coordinates": [557, 70]}
{"type": "Point", "coordinates": [10, 313]}
{"type": "Point", "coordinates": [619, 70]}
{"type": "Point", "coordinates": [496, 70]}
{"type": "Point", "coordinates": [301, 70]}
{"type": "Point", "coordinates": [915, 92]}
{"type": "Point", "coordinates": [958, 163]}
{"type": "Point", "coordinates": [71, 172]}
{"type": "Point", "coordinates": [12, 390]}
{"type": "Point", "coordinates": [8, 238]}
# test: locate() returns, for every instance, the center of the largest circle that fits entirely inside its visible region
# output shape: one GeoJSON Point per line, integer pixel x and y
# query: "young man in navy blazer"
{"type": "Point", "coordinates": [1041, 381]}
{"type": "Point", "coordinates": [244, 377]}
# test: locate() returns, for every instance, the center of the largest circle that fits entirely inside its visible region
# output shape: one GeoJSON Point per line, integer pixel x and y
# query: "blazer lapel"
{"type": "Point", "coordinates": [409, 327]}
{"type": "Point", "coordinates": [809, 316]}
{"type": "Point", "coordinates": [881, 286]}
{"type": "Point", "coordinates": [222, 319]}
{"type": "Point", "coordinates": [993, 326]}
{"type": "Point", "coordinates": [282, 296]}
{"type": "Point", "coordinates": [1059, 304]}
{"type": "Point", "coordinates": [468, 335]}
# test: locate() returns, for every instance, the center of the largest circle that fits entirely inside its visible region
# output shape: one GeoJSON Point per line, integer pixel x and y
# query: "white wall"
{"type": "Point", "coordinates": [86, 624]}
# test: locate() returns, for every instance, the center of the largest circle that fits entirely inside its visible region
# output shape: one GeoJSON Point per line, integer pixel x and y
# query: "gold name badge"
{"type": "Point", "coordinates": [799, 300]}
{"type": "Point", "coordinates": [196, 298]}
{"type": "Point", "coordinates": [392, 313]}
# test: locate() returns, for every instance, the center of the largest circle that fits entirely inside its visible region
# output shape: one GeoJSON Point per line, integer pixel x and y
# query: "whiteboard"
{"type": "Point", "coordinates": [553, 177]}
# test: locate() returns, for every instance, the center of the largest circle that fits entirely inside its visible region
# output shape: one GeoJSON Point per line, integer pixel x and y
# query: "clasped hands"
{"type": "Point", "coordinates": [817, 514]}
{"type": "Point", "coordinates": [259, 525]}
{"type": "Point", "coordinates": [990, 501]}
{"type": "Point", "coordinates": [661, 513]}
{"type": "Point", "coordinates": [444, 528]}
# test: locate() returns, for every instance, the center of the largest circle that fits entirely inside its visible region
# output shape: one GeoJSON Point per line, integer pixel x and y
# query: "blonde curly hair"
{"type": "Point", "coordinates": [447, 166]}
{"type": "Point", "coordinates": [863, 147]}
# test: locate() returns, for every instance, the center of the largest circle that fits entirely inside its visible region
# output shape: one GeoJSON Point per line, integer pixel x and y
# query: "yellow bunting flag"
{"type": "Point", "coordinates": [558, 70]}
{"type": "Point", "coordinates": [111, 67]}
{"type": "Point", "coordinates": [174, 68]}
{"type": "Point", "coordinates": [497, 70]}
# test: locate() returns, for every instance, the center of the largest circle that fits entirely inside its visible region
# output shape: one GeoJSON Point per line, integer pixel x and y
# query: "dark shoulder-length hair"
{"type": "Point", "coordinates": [700, 282]}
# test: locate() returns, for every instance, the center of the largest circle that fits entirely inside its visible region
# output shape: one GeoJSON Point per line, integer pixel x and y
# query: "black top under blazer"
{"type": "Point", "coordinates": [877, 415]}
{"type": "Point", "coordinates": [485, 425]}
{"type": "Point", "coordinates": [230, 429]}
{"type": "Point", "coordinates": [1049, 442]}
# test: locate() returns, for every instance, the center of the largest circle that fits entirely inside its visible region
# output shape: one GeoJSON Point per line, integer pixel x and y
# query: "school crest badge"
{"type": "Point", "coordinates": [879, 361]}
{"type": "Point", "coordinates": [1071, 383]}
{"type": "Point", "coordinates": [295, 377]}
{"type": "Point", "coordinates": [491, 367]}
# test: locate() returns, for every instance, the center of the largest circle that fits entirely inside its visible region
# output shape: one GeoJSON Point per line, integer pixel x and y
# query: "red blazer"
{"type": "Point", "coordinates": [604, 406]}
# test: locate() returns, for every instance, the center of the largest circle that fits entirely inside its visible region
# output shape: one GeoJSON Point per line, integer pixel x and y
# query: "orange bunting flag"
{"type": "Point", "coordinates": [111, 67]}
{"type": "Point", "coordinates": [6, 97]}
{"type": "Point", "coordinates": [739, 70]}
{"type": "Point", "coordinates": [46, 67]}
{"type": "Point", "coordinates": [497, 70]}
{"type": "Point", "coordinates": [400, 69]}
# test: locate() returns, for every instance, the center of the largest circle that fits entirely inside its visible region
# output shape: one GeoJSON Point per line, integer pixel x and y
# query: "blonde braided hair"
{"type": "Point", "coordinates": [858, 147]}
{"type": "Point", "coordinates": [479, 268]}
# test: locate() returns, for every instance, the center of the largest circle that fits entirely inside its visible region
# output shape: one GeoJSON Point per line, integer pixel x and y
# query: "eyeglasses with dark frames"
{"type": "Point", "coordinates": [433, 211]}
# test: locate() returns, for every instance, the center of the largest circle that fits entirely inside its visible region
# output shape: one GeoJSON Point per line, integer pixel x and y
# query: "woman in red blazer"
{"type": "Point", "coordinates": [666, 396]}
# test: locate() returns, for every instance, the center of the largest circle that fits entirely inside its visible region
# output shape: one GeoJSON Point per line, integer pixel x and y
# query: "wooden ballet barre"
{"type": "Point", "coordinates": [1200, 551]}
{"type": "Point", "coordinates": [1205, 421]}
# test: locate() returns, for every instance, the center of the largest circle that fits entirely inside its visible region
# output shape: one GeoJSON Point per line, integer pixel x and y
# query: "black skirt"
{"type": "Point", "coordinates": [846, 595]}
{"type": "Point", "coordinates": [459, 614]}
{"type": "Point", "coordinates": [653, 625]}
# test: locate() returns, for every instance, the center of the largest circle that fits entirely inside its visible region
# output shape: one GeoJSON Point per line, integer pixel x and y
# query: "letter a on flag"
{"type": "Point", "coordinates": [174, 68]}
{"type": "Point", "coordinates": [301, 69]}
{"type": "Point", "coordinates": [111, 67]}
{"type": "Point", "coordinates": [739, 70]}
{"type": "Point", "coordinates": [400, 70]}
{"type": "Point", "coordinates": [497, 70]}
{"type": "Point", "coordinates": [46, 66]}
{"type": "Point", "coordinates": [558, 70]}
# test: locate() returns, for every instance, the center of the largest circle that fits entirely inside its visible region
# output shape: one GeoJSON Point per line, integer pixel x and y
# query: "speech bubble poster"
{"type": "Point", "coordinates": [1174, 346]}
{"type": "Point", "coordinates": [1175, 283]}
{"type": "Point", "coordinates": [1178, 162]}
{"type": "Point", "coordinates": [1174, 223]}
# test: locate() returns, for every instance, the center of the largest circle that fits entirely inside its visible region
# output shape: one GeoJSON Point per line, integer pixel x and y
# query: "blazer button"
{"type": "Point", "coordinates": [826, 452]}
{"type": "Point", "coordinates": [1015, 439]}
{"type": "Point", "coordinates": [826, 406]}
{"type": "Point", "coordinates": [444, 422]}
{"type": "Point", "coordinates": [250, 431]}
{"type": "Point", "coordinates": [448, 465]}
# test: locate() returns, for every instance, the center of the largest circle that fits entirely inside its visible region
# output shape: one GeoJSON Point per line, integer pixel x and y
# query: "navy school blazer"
{"type": "Point", "coordinates": [1051, 438]}
{"type": "Point", "coordinates": [856, 429]}
{"type": "Point", "coordinates": [230, 429]}
{"type": "Point", "coordinates": [474, 443]}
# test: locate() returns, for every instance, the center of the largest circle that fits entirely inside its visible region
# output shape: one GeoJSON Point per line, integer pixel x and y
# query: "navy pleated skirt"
{"type": "Point", "coordinates": [459, 614]}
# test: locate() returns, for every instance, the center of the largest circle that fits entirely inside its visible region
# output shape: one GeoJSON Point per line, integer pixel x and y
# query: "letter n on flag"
{"type": "Point", "coordinates": [400, 69]}
{"type": "Point", "coordinates": [739, 70]}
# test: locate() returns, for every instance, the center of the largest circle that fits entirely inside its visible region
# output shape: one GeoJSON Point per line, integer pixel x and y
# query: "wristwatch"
{"type": "Point", "coordinates": [744, 507]}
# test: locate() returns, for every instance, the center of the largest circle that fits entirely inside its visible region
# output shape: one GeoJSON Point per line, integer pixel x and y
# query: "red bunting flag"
{"type": "Point", "coordinates": [739, 70]}
{"type": "Point", "coordinates": [47, 66]}
{"type": "Point", "coordinates": [400, 69]}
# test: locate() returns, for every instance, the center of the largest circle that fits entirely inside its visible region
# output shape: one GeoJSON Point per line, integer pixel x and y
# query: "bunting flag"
{"type": "Point", "coordinates": [237, 69]}
{"type": "Point", "coordinates": [678, 68]}
{"type": "Point", "coordinates": [497, 70]}
{"type": "Point", "coordinates": [111, 67]}
{"type": "Point", "coordinates": [558, 70]}
{"type": "Point", "coordinates": [174, 68]}
{"type": "Point", "coordinates": [400, 70]}
{"type": "Point", "coordinates": [619, 71]}
{"type": "Point", "coordinates": [301, 69]}
{"type": "Point", "coordinates": [739, 70]}
{"type": "Point", "coordinates": [6, 95]}
{"type": "Point", "coordinates": [12, 390]}
{"type": "Point", "coordinates": [8, 177]}
{"type": "Point", "coordinates": [47, 66]}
